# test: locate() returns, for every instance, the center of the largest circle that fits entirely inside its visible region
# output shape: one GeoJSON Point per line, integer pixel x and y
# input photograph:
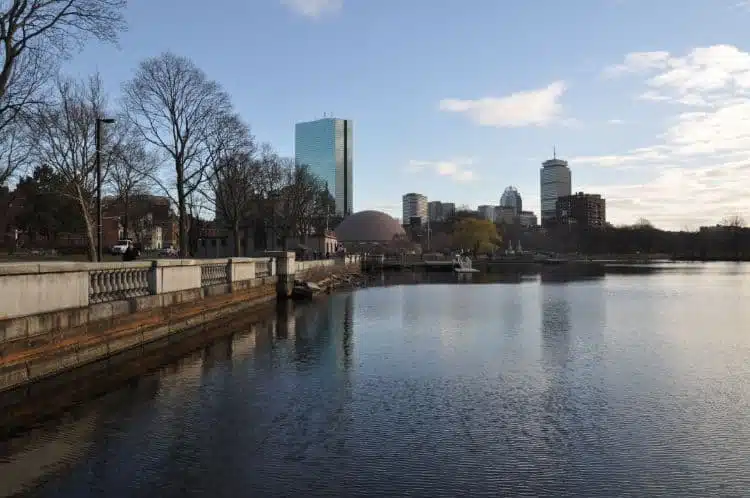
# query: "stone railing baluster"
{"type": "Point", "coordinates": [117, 283]}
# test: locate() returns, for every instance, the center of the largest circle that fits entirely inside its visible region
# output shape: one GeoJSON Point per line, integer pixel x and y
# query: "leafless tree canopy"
{"type": "Point", "coordinates": [15, 149]}
{"type": "Point", "coordinates": [64, 139]}
{"type": "Point", "coordinates": [301, 199]}
{"type": "Point", "coordinates": [129, 170]}
{"type": "Point", "coordinates": [36, 34]}
{"type": "Point", "coordinates": [178, 110]}
{"type": "Point", "coordinates": [735, 221]}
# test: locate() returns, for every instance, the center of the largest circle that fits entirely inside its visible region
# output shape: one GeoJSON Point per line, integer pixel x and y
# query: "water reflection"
{"type": "Point", "coordinates": [555, 327]}
{"type": "Point", "coordinates": [486, 390]}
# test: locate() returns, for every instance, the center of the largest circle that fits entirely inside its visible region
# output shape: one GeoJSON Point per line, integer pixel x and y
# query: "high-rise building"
{"type": "Point", "coordinates": [487, 212]}
{"type": "Point", "coordinates": [511, 199]}
{"type": "Point", "coordinates": [440, 211]}
{"type": "Point", "coordinates": [326, 146]}
{"type": "Point", "coordinates": [582, 209]}
{"type": "Point", "coordinates": [435, 211]}
{"type": "Point", "coordinates": [555, 182]}
{"type": "Point", "coordinates": [414, 206]}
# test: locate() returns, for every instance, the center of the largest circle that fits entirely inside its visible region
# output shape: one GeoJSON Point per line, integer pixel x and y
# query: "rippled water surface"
{"type": "Point", "coordinates": [626, 385]}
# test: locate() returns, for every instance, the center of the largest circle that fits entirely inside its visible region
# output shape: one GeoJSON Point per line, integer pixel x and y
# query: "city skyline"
{"type": "Point", "coordinates": [655, 122]}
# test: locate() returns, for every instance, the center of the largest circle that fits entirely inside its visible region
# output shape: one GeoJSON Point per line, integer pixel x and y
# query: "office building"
{"type": "Point", "coordinates": [505, 215]}
{"type": "Point", "coordinates": [414, 206]}
{"type": "Point", "coordinates": [511, 199]}
{"type": "Point", "coordinates": [555, 182]}
{"type": "Point", "coordinates": [326, 146]}
{"type": "Point", "coordinates": [582, 209]}
{"type": "Point", "coordinates": [440, 211]}
{"type": "Point", "coordinates": [527, 219]}
{"type": "Point", "coordinates": [487, 212]}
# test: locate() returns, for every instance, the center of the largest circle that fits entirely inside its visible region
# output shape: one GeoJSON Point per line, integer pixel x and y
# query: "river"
{"type": "Point", "coordinates": [622, 385]}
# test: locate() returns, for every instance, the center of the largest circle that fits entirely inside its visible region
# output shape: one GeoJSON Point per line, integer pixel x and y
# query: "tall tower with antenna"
{"type": "Point", "coordinates": [555, 181]}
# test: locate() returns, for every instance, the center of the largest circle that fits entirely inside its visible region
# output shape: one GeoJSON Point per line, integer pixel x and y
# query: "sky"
{"type": "Point", "coordinates": [649, 101]}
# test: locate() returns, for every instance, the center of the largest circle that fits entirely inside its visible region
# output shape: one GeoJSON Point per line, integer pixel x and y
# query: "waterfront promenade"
{"type": "Point", "coordinates": [55, 316]}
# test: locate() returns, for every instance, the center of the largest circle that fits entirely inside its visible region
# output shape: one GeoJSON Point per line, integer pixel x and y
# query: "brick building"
{"type": "Point", "coordinates": [582, 209]}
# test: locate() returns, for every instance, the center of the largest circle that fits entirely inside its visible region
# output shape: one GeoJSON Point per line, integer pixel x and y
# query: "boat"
{"type": "Point", "coordinates": [462, 264]}
{"type": "Point", "coordinates": [305, 290]}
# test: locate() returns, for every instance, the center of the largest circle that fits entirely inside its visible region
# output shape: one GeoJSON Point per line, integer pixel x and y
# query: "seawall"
{"type": "Point", "coordinates": [55, 317]}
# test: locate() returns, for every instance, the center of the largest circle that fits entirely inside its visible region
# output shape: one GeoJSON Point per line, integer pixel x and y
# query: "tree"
{"type": "Point", "coordinates": [266, 208]}
{"type": "Point", "coordinates": [324, 215]}
{"type": "Point", "coordinates": [643, 223]}
{"type": "Point", "coordinates": [475, 235]}
{"type": "Point", "coordinates": [45, 211]}
{"type": "Point", "coordinates": [178, 110]}
{"type": "Point", "coordinates": [36, 35]}
{"type": "Point", "coordinates": [15, 149]}
{"type": "Point", "coordinates": [735, 221]}
{"type": "Point", "coordinates": [736, 225]}
{"type": "Point", "coordinates": [64, 140]}
{"type": "Point", "coordinates": [234, 189]}
{"type": "Point", "coordinates": [130, 164]}
{"type": "Point", "coordinates": [301, 200]}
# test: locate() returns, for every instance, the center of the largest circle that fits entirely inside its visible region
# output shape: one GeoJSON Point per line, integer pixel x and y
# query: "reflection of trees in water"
{"type": "Point", "coordinates": [38, 455]}
{"type": "Point", "coordinates": [562, 274]}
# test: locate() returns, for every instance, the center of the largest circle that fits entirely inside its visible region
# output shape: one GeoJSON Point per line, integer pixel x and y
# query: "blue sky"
{"type": "Point", "coordinates": [457, 99]}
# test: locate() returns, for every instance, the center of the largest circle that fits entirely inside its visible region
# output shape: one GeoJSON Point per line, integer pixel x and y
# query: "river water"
{"type": "Point", "coordinates": [623, 385]}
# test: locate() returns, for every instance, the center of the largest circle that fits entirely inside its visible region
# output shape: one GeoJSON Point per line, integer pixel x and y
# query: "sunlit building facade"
{"type": "Point", "coordinates": [414, 205]}
{"type": "Point", "coordinates": [326, 146]}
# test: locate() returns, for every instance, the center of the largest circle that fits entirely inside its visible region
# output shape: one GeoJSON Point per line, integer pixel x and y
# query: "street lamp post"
{"type": "Point", "coordinates": [98, 141]}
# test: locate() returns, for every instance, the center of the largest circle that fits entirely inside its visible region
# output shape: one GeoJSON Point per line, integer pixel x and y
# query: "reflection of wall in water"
{"type": "Point", "coordinates": [286, 314]}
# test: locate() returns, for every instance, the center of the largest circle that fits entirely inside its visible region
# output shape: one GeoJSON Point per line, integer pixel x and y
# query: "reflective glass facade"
{"type": "Point", "coordinates": [326, 146]}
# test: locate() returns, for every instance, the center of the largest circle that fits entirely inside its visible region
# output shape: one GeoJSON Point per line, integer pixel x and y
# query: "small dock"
{"type": "Point", "coordinates": [379, 263]}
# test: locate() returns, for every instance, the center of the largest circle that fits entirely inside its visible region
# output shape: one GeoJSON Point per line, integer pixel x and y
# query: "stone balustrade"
{"type": "Point", "coordinates": [33, 288]}
{"type": "Point", "coordinates": [57, 316]}
{"type": "Point", "coordinates": [28, 289]}
{"type": "Point", "coordinates": [303, 266]}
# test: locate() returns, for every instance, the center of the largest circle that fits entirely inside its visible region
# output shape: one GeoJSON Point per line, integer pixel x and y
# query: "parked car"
{"type": "Point", "coordinates": [168, 252]}
{"type": "Point", "coordinates": [120, 246]}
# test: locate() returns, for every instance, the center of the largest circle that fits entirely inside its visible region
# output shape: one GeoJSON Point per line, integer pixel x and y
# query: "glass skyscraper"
{"type": "Point", "coordinates": [326, 146]}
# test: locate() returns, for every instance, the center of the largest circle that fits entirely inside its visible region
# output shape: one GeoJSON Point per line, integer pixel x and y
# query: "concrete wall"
{"type": "Point", "coordinates": [33, 288]}
{"type": "Point", "coordinates": [58, 316]}
{"type": "Point", "coordinates": [303, 266]}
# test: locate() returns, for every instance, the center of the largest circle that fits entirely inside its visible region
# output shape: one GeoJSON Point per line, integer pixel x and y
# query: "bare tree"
{"type": "Point", "coordinates": [64, 140]}
{"type": "Point", "coordinates": [301, 199]}
{"type": "Point", "coordinates": [15, 149]}
{"type": "Point", "coordinates": [234, 193]}
{"type": "Point", "coordinates": [36, 34]}
{"type": "Point", "coordinates": [735, 221]}
{"type": "Point", "coordinates": [178, 110]}
{"type": "Point", "coordinates": [130, 164]}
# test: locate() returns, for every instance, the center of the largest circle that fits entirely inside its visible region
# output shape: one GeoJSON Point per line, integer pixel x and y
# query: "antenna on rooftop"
{"type": "Point", "coordinates": [554, 152]}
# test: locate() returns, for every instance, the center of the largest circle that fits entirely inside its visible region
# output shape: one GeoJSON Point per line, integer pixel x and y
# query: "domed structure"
{"type": "Point", "coordinates": [369, 226]}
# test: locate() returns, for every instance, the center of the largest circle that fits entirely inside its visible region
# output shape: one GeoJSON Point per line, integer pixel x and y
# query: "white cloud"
{"type": "Point", "coordinates": [457, 169]}
{"type": "Point", "coordinates": [313, 8]}
{"type": "Point", "coordinates": [615, 121]}
{"type": "Point", "coordinates": [637, 61]}
{"type": "Point", "coordinates": [527, 108]}
{"type": "Point", "coordinates": [700, 165]}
